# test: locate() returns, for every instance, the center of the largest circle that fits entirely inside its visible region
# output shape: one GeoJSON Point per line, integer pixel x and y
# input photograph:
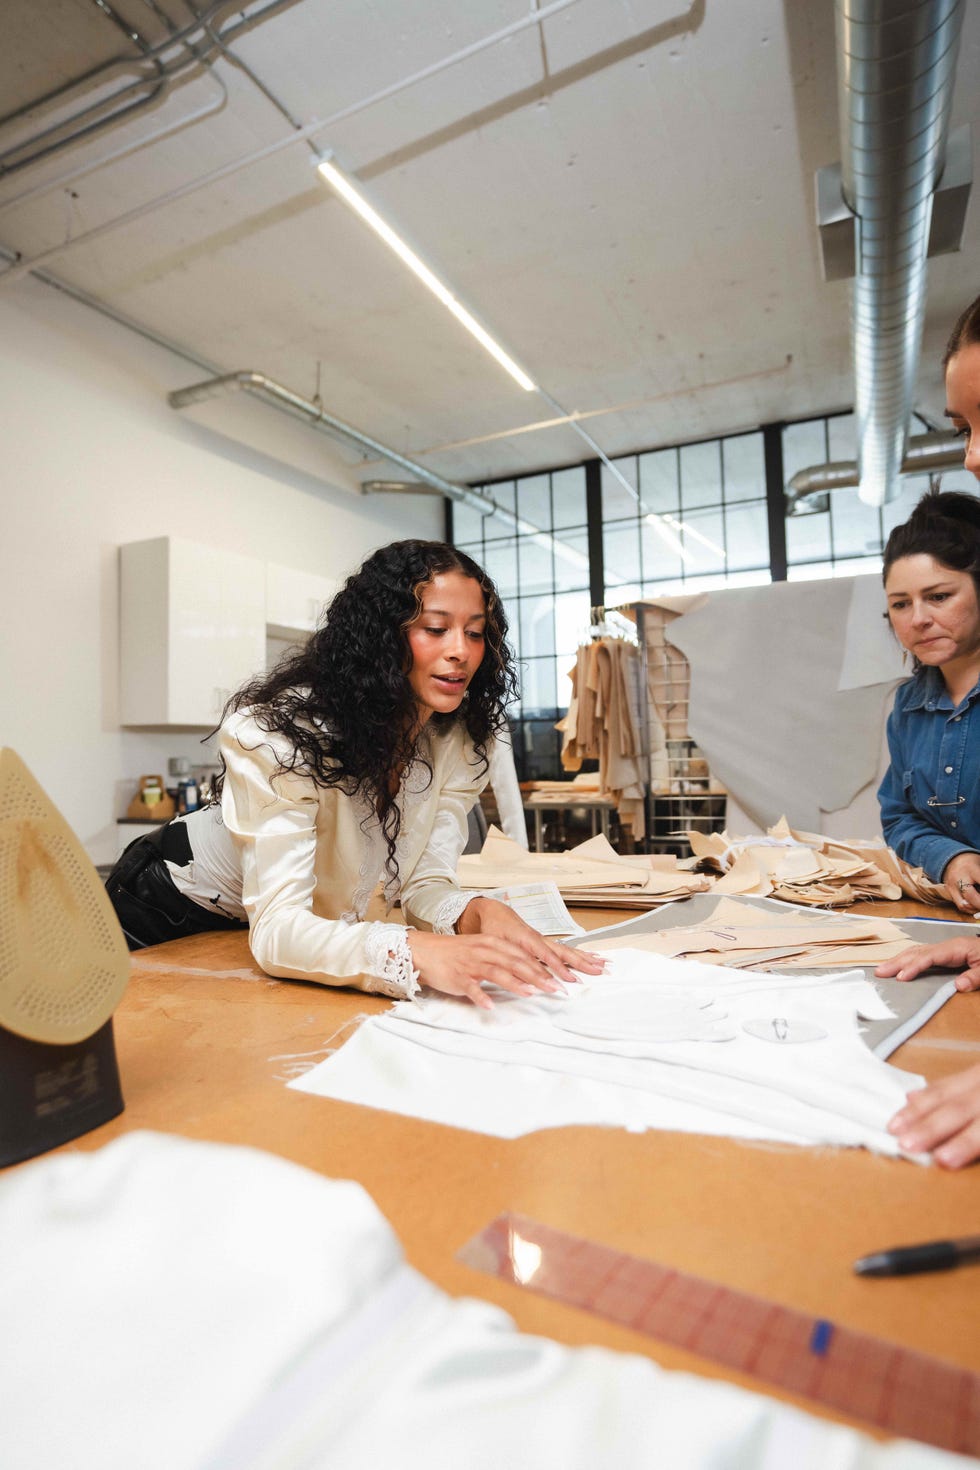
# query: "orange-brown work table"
{"type": "Point", "coordinates": [205, 1040]}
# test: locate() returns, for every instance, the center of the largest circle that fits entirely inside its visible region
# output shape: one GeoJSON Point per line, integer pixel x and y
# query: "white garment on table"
{"type": "Point", "coordinates": [516, 1069]}
{"type": "Point", "coordinates": [173, 1305]}
{"type": "Point", "coordinates": [301, 861]}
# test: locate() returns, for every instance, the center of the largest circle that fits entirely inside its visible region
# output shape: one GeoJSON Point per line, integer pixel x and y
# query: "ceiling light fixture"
{"type": "Point", "coordinates": [339, 181]}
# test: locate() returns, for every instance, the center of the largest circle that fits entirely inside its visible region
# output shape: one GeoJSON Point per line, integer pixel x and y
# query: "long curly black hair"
{"type": "Point", "coordinates": [344, 701]}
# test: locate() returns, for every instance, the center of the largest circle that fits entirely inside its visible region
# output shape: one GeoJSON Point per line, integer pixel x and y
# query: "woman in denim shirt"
{"type": "Point", "coordinates": [930, 797]}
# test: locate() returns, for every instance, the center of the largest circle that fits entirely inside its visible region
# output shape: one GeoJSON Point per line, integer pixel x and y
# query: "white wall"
{"type": "Point", "coordinates": [93, 456]}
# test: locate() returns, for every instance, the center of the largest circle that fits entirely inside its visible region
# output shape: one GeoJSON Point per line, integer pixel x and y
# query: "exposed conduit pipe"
{"type": "Point", "coordinates": [312, 413]}
{"type": "Point", "coordinates": [895, 66]}
{"type": "Point", "coordinates": [925, 453]}
{"type": "Point", "coordinates": [162, 79]}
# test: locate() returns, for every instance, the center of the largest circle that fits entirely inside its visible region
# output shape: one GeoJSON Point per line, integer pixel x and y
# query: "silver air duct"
{"type": "Point", "coordinates": [925, 453]}
{"type": "Point", "coordinates": [896, 64]}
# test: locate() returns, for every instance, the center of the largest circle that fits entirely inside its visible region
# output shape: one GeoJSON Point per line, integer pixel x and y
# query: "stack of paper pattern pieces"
{"type": "Point", "coordinates": [592, 873]}
{"type": "Point", "coordinates": [745, 938]}
{"type": "Point", "coordinates": [805, 868]}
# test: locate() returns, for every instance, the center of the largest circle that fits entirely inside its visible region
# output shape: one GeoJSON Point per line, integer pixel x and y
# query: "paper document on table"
{"type": "Point", "coordinates": [540, 905]}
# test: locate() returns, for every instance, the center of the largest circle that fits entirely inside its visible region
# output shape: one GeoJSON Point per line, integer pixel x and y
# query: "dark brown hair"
{"type": "Point", "coordinates": [966, 332]}
{"type": "Point", "coordinates": [944, 525]}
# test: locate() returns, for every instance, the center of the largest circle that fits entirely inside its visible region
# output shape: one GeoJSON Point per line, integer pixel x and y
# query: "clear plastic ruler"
{"type": "Point", "coordinates": [895, 1389]}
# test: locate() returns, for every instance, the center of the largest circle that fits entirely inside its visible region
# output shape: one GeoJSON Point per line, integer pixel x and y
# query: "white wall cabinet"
{"type": "Point", "coordinates": [192, 628]}
{"type": "Point", "coordinates": [294, 600]}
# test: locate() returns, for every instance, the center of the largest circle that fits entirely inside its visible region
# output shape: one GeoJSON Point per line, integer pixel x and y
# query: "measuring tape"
{"type": "Point", "coordinates": [902, 1392]}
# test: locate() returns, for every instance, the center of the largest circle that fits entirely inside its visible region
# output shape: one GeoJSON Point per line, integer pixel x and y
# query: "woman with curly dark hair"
{"type": "Point", "coordinates": [353, 763]}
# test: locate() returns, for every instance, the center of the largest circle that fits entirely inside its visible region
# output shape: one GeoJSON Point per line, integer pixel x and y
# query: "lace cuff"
{"type": "Point", "coordinates": [389, 960]}
{"type": "Point", "coordinates": [447, 914]}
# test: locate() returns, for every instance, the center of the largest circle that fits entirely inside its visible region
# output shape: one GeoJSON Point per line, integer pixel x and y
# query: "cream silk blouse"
{"type": "Point", "coordinates": [302, 862]}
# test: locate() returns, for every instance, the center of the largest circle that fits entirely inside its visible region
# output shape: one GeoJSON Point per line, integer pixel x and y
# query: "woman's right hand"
{"type": "Point", "coordinates": [943, 1119]}
{"type": "Point", "coordinates": [457, 964]}
{"type": "Point", "coordinates": [961, 877]}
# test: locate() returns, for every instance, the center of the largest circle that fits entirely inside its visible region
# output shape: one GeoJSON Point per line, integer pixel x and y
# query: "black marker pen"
{"type": "Point", "coordinates": [905, 1260]}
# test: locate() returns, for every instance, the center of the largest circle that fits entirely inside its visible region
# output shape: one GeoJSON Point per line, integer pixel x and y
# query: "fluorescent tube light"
{"type": "Point", "coordinates": [342, 184]}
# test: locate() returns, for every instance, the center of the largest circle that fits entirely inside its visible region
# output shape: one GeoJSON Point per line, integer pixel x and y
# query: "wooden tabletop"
{"type": "Point", "coordinates": [206, 1041]}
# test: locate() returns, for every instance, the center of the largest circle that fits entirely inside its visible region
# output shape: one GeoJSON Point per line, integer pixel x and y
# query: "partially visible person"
{"type": "Point", "coordinates": [353, 763]}
{"type": "Point", "coordinates": [930, 797]}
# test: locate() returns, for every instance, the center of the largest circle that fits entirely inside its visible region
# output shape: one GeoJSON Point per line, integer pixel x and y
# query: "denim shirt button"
{"type": "Point", "coordinates": [949, 770]}
{"type": "Point", "coordinates": [952, 824]}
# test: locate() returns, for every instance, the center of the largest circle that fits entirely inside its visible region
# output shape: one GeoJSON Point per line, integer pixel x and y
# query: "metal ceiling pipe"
{"type": "Point", "coordinates": [895, 67]}
{"type": "Point", "coordinates": [312, 413]}
{"type": "Point", "coordinates": [925, 453]}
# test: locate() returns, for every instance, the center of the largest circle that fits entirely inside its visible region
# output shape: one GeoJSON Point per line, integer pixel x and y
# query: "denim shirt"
{"type": "Point", "coordinates": [935, 753]}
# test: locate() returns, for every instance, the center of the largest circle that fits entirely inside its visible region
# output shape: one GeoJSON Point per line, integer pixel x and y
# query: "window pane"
{"type": "Point", "coordinates": [621, 552]}
{"type": "Point", "coordinates": [616, 501]}
{"type": "Point", "coordinates": [495, 527]}
{"type": "Point", "coordinates": [502, 494]}
{"type": "Point", "coordinates": [568, 496]}
{"type": "Point", "coordinates": [537, 624]}
{"type": "Point", "coordinates": [538, 685]}
{"type": "Point", "coordinates": [855, 525]}
{"type": "Point", "coordinates": [700, 475]}
{"type": "Point", "coordinates": [912, 488]}
{"type": "Point", "coordinates": [500, 563]}
{"type": "Point", "coordinates": [745, 468]}
{"type": "Point", "coordinates": [571, 622]}
{"type": "Point", "coordinates": [661, 559]}
{"type": "Point", "coordinates": [658, 481]}
{"type": "Point", "coordinates": [808, 537]}
{"type": "Point", "coordinates": [572, 559]}
{"type": "Point", "coordinates": [747, 532]}
{"type": "Point", "coordinates": [704, 541]}
{"type": "Point", "coordinates": [537, 565]}
{"type": "Point", "coordinates": [534, 501]}
{"type": "Point", "coordinates": [803, 445]}
{"type": "Point", "coordinates": [467, 526]}
{"type": "Point", "coordinates": [840, 435]}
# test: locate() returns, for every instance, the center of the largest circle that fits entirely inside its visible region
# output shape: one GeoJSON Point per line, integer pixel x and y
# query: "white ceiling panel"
{"type": "Point", "coordinates": [623, 195]}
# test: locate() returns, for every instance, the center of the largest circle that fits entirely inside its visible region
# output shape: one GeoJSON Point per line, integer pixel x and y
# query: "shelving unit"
{"type": "Point", "coordinates": [682, 793]}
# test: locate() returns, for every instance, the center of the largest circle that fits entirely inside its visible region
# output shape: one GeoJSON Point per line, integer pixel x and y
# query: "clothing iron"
{"type": "Point", "coordinates": [63, 968]}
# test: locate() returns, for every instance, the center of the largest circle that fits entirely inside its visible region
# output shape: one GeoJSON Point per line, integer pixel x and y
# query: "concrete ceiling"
{"type": "Point", "coordinates": [623, 195]}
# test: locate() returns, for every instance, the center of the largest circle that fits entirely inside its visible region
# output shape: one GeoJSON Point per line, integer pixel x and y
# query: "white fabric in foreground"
{"type": "Point", "coordinates": [520, 1067]}
{"type": "Point", "coordinates": [170, 1305]}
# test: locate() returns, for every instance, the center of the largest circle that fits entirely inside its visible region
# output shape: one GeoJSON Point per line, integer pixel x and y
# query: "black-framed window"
{"type": "Point", "coordinates": [686, 518]}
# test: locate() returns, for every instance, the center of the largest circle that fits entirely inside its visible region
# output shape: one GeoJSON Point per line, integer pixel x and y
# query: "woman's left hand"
{"type": "Point", "coordinates": [961, 877]}
{"type": "Point", "coordinates": [490, 916]}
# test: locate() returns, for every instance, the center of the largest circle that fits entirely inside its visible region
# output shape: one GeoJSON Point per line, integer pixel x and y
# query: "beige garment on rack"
{"type": "Point", "coordinates": [603, 724]}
